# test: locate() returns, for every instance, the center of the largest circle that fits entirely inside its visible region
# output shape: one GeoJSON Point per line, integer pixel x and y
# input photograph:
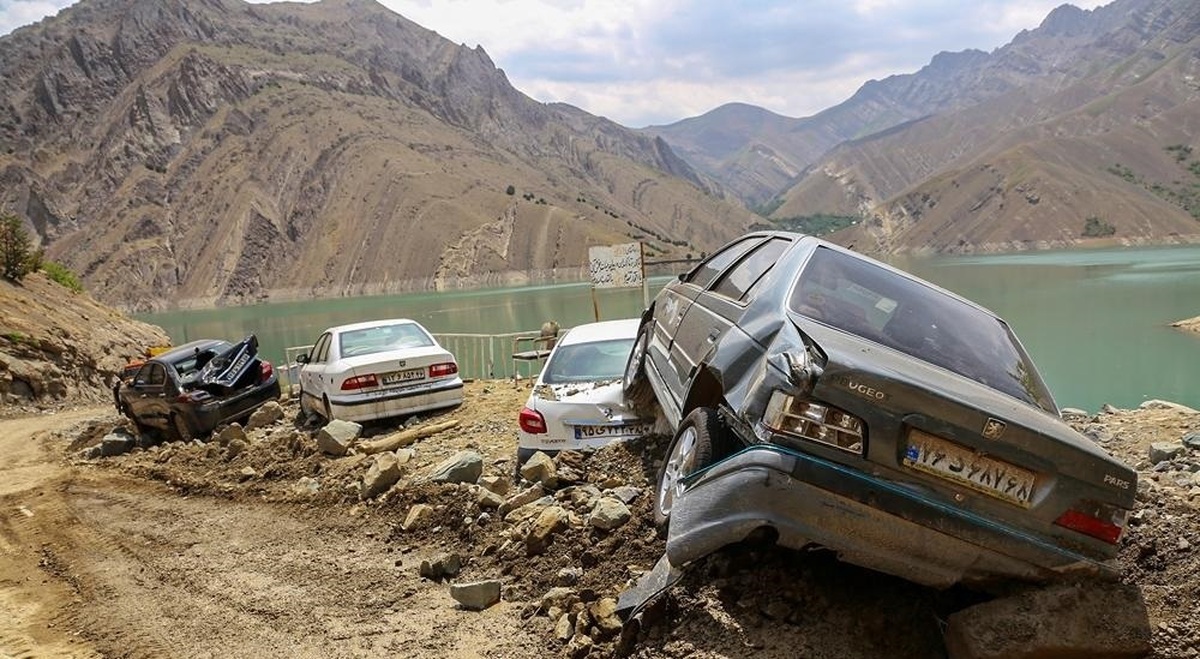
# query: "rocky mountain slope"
{"type": "Point", "coordinates": [57, 346]}
{"type": "Point", "coordinates": [202, 151]}
{"type": "Point", "coordinates": [1091, 115]}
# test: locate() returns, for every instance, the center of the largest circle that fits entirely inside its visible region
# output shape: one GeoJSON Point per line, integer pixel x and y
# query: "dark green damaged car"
{"type": "Point", "coordinates": [840, 402]}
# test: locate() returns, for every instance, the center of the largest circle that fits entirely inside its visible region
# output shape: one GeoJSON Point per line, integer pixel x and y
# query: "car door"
{"type": "Point", "coordinates": [312, 374]}
{"type": "Point", "coordinates": [677, 298]}
{"type": "Point", "coordinates": [720, 306]}
{"type": "Point", "coordinates": [148, 395]}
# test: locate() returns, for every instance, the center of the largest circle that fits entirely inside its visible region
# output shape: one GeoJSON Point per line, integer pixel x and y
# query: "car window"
{"type": "Point", "coordinates": [706, 272]}
{"type": "Point", "coordinates": [152, 374]}
{"type": "Point", "coordinates": [382, 338]}
{"type": "Point", "coordinates": [320, 353]}
{"type": "Point", "coordinates": [586, 362]}
{"type": "Point", "coordinates": [738, 280]}
{"type": "Point", "coordinates": [875, 303]}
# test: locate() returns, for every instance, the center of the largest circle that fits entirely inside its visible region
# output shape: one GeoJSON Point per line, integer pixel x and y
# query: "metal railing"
{"type": "Point", "coordinates": [479, 356]}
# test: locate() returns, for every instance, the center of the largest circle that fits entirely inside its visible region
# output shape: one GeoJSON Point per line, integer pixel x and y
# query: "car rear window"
{"type": "Point", "coordinates": [586, 362]}
{"type": "Point", "coordinates": [382, 338]}
{"type": "Point", "coordinates": [875, 303]}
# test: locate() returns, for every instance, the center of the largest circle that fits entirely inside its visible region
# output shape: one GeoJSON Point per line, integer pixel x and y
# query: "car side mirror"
{"type": "Point", "coordinates": [302, 358]}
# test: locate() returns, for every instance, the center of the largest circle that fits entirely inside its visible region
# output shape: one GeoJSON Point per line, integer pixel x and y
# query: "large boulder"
{"type": "Point", "coordinates": [465, 467]}
{"type": "Point", "coordinates": [337, 437]}
{"type": "Point", "coordinates": [383, 473]}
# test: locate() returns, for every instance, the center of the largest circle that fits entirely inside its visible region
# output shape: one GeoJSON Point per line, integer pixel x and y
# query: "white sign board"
{"type": "Point", "coordinates": [616, 266]}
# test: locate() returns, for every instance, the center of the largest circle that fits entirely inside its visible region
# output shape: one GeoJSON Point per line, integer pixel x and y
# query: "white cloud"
{"type": "Point", "coordinates": [640, 62]}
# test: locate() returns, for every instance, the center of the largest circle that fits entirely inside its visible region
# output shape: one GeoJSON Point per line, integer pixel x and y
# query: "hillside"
{"type": "Point", "coordinates": [192, 152]}
{"type": "Point", "coordinates": [58, 346]}
{"type": "Point", "coordinates": [1088, 120]}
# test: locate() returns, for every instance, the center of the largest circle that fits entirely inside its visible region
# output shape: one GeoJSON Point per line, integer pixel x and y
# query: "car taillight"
{"type": "Point", "coordinates": [360, 382]}
{"type": "Point", "coordinates": [198, 396]}
{"type": "Point", "coordinates": [1098, 520]}
{"type": "Point", "coordinates": [439, 370]}
{"type": "Point", "coordinates": [266, 371]}
{"type": "Point", "coordinates": [532, 421]}
{"type": "Point", "coordinates": [815, 421]}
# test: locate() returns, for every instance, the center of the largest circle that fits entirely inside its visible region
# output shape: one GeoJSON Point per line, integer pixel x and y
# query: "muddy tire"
{"type": "Point", "coordinates": [692, 448]}
{"type": "Point", "coordinates": [634, 384]}
{"type": "Point", "coordinates": [180, 430]}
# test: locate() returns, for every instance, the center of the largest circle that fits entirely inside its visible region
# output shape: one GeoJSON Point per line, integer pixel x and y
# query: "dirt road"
{"type": "Point", "coordinates": [94, 563]}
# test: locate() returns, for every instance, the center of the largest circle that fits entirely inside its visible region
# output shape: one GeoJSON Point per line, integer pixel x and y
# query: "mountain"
{"type": "Point", "coordinates": [1080, 129]}
{"type": "Point", "coordinates": [195, 152]}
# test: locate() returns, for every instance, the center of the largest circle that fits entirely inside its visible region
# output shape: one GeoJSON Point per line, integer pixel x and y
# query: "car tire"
{"type": "Point", "coordinates": [180, 430]}
{"type": "Point", "coordinates": [328, 409]}
{"type": "Point", "coordinates": [692, 448]}
{"type": "Point", "coordinates": [634, 384]}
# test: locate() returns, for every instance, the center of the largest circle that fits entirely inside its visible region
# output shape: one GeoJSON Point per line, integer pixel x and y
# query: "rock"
{"type": "Point", "coordinates": [247, 473]}
{"type": "Point", "coordinates": [568, 576]}
{"type": "Point", "coordinates": [626, 493]}
{"type": "Point", "coordinates": [466, 467]}
{"type": "Point", "coordinates": [609, 513]}
{"type": "Point", "coordinates": [521, 498]}
{"type": "Point", "coordinates": [564, 629]}
{"type": "Point", "coordinates": [559, 598]}
{"type": "Point", "coordinates": [1109, 409]}
{"type": "Point", "coordinates": [235, 448]}
{"type": "Point", "coordinates": [417, 516]}
{"type": "Point", "coordinates": [540, 468]}
{"type": "Point", "coordinates": [1164, 451]}
{"type": "Point", "coordinates": [496, 484]}
{"type": "Point", "coordinates": [1192, 441]}
{"type": "Point", "coordinates": [1165, 405]}
{"type": "Point", "coordinates": [579, 647]}
{"type": "Point", "coordinates": [116, 443]}
{"type": "Point", "coordinates": [477, 595]}
{"type": "Point", "coordinates": [307, 485]}
{"type": "Point", "coordinates": [269, 414]}
{"type": "Point", "coordinates": [229, 433]}
{"type": "Point", "coordinates": [442, 565]}
{"type": "Point", "coordinates": [337, 436]}
{"type": "Point", "coordinates": [383, 473]}
{"type": "Point", "coordinates": [1106, 620]}
{"type": "Point", "coordinates": [529, 510]}
{"type": "Point", "coordinates": [1073, 413]}
{"type": "Point", "coordinates": [604, 616]}
{"type": "Point", "coordinates": [489, 499]}
{"type": "Point", "coordinates": [551, 520]}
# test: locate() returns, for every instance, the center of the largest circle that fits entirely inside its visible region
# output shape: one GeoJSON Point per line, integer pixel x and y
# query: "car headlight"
{"type": "Point", "coordinates": [811, 420]}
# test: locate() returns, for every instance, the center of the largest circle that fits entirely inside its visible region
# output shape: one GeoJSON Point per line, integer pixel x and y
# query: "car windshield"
{"type": "Point", "coordinates": [586, 362]}
{"type": "Point", "coordinates": [381, 338]}
{"type": "Point", "coordinates": [859, 297]}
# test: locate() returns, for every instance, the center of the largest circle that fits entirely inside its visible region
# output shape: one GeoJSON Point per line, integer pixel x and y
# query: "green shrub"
{"type": "Point", "coordinates": [62, 275]}
{"type": "Point", "coordinates": [15, 254]}
{"type": "Point", "coordinates": [1095, 227]}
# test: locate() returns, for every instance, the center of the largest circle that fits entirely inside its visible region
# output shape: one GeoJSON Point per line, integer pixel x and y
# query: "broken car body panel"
{"type": "Point", "coordinates": [910, 434]}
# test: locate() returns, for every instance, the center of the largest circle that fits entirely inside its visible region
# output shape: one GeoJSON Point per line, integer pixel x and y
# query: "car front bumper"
{"type": "Point", "coordinates": [868, 521]}
{"type": "Point", "coordinates": [409, 400]}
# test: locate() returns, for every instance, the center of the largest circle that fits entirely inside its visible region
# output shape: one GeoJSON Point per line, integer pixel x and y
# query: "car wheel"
{"type": "Point", "coordinates": [692, 449]}
{"type": "Point", "coordinates": [180, 429]}
{"type": "Point", "coordinates": [328, 408]}
{"type": "Point", "coordinates": [634, 383]}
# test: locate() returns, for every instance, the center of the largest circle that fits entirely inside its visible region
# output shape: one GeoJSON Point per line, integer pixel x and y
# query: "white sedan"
{"type": "Point", "coordinates": [377, 369]}
{"type": "Point", "coordinates": [577, 401]}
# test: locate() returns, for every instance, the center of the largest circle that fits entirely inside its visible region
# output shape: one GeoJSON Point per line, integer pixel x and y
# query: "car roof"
{"type": "Point", "coordinates": [606, 330]}
{"type": "Point", "coordinates": [366, 324]}
{"type": "Point", "coordinates": [179, 352]}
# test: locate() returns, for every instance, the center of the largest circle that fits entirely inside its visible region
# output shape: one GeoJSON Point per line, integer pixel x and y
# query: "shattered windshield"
{"type": "Point", "coordinates": [864, 299]}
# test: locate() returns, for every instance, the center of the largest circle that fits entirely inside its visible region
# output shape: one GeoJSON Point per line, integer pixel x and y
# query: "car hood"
{"type": "Point", "coordinates": [888, 384]}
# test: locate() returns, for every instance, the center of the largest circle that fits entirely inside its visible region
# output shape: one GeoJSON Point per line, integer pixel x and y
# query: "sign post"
{"type": "Point", "coordinates": [616, 266]}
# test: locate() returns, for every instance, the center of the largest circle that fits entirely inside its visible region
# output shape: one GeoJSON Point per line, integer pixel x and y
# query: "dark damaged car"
{"type": "Point", "coordinates": [836, 401]}
{"type": "Point", "coordinates": [188, 391]}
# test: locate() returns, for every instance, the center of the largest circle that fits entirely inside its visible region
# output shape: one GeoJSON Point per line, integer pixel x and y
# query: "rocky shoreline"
{"type": "Point", "coordinates": [1191, 324]}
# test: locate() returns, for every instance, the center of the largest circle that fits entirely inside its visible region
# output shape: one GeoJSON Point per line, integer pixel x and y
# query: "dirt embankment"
{"type": "Point", "coordinates": [1191, 324]}
{"type": "Point", "coordinates": [264, 545]}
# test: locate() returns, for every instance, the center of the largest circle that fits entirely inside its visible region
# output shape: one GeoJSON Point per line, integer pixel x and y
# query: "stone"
{"type": "Point", "coordinates": [1163, 451]}
{"type": "Point", "coordinates": [579, 646]}
{"type": "Point", "coordinates": [604, 616]}
{"type": "Point", "coordinates": [417, 516]}
{"type": "Point", "coordinates": [1165, 405]}
{"type": "Point", "coordinates": [337, 436]}
{"type": "Point", "coordinates": [552, 520]}
{"type": "Point", "coordinates": [522, 498]}
{"type": "Point", "coordinates": [466, 467]}
{"type": "Point", "coordinates": [383, 473]}
{"type": "Point", "coordinates": [442, 565]}
{"type": "Point", "coordinates": [235, 448]}
{"type": "Point", "coordinates": [568, 576]}
{"type": "Point", "coordinates": [1107, 620]}
{"type": "Point", "coordinates": [626, 493]}
{"type": "Point", "coordinates": [540, 468]}
{"type": "Point", "coordinates": [496, 484]}
{"type": "Point", "coordinates": [229, 433]}
{"type": "Point", "coordinates": [560, 598]}
{"type": "Point", "coordinates": [270, 413]}
{"type": "Point", "coordinates": [1192, 441]}
{"type": "Point", "coordinates": [476, 595]}
{"type": "Point", "coordinates": [1073, 413]}
{"type": "Point", "coordinates": [307, 485]}
{"type": "Point", "coordinates": [247, 473]}
{"type": "Point", "coordinates": [609, 513]}
{"type": "Point", "coordinates": [116, 443]}
{"type": "Point", "coordinates": [564, 629]}
{"type": "Point", "coordinates": [489, 499]}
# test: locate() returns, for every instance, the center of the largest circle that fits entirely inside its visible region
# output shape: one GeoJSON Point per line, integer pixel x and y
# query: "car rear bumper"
{"type": "Point", "coordinates": [409, 400]}
{"type": "Point", "coordinates": [208, 416]}
{"type": "Point", "coordinates": [866, 520]}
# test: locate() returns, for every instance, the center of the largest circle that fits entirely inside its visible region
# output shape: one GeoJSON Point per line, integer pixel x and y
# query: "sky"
{"type": "Point", "coordinates": [653, 62]}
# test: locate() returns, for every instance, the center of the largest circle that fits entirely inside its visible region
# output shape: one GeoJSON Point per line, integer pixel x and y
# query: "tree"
{"type": "Point", "coordinates": [14, 248]}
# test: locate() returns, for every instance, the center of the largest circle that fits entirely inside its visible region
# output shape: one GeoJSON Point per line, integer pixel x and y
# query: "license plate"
{"type": "Point", "coordinates": [963, 466]}
{"type": "Point", "coordinates": [404, 376]}
{"type": "Point", "coordinates": [594, 432]}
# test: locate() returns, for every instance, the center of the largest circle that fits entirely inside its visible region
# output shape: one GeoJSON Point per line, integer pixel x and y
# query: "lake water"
{"type": "Point", "coordinates": [1095, 321]}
